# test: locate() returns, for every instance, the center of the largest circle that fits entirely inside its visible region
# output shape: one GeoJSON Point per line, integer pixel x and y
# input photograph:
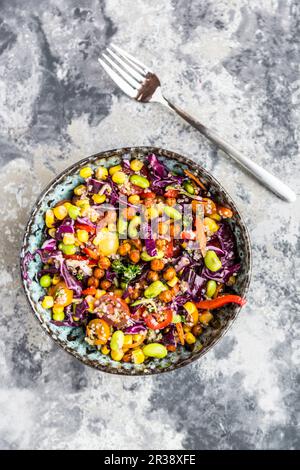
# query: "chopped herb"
{"type": "Point", "coordinates": [126, 272]}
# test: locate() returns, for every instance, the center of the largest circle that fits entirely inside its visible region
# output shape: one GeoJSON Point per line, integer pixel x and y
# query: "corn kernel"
{"type": "Point", "coordinates": [190, 338]}
{"type": "Point", "coordinates": [118, 292]}
{"type": "Point", "coordinates": [48, 301]}
{"type": "Point", "coordinates": [57, 309]}
{"type": "Point", "coordinates": [67, 204]}
{"type": "Point", "coordinates": [82, 203]}
{"type": "Point", "coordinates": [186, 328]}
{"type": "Point", "coordinates": [119, 177]}
{"type": "Point", "coordinates": [137, 338]}
{"type": "Point", "coordinates": [127, 340]}
{"type": "Point", "coordinates": [134, 199]}
{"type": "Point", "coordinates": [211, 225]}
{"type": "Point", "coordinates": [82, 235]}
{"type": "Point", "coordinates": [99, 293]}
{"type": "Point", "coordinates": [114, 169]}
{"type": "Point", "coordinates": [60, 212]}
{"type": "Point", "coordinates": [192, 311]}
{"type": "Point", "coordinates": [68, 239]}
{"type": "Point", "coordinates": [105, 350]}
{"type": "Point", "coordinates": [151, 213]}
{"type": "Point", "coordinates": [101, 173]}
{"type": "Point", "coordinates": [86, 172]}
{"type": "Point", "coordinates": [55, 279]}
{"type": "Point", "coordinates": [138, 356]}
{"type": "Point", "coordinates": [127, 300]}
{"type": "Point", "coordinates": [136, 165]}
{"type": "Point", "coordinates": [117, 355]}
{"type": "Point", "coordinates": [52, 232]}
{"type": "Point", "coordinates": [205, 318]}
{"type": "Point", "coordinates": [173, 281]}
{"type": "Point", "coordinates": [99, 198]}
{"type": "Point", "coordinates": [79, 190]}
{"type": "Point", "coordinates": [215, 216]}
{"type": "Point", "coordinates": [49, 218]}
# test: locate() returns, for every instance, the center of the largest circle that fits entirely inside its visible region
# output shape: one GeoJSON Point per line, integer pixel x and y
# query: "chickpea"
{"type": "Point", "coordinates": [137, 243]}
{"type": "Point", "coordinates": [104, 262]}
{"type": "Point", "coordinates": [165, 296]}
{"type": "Point", "coordinates": [160, 243]}
{"type": "Point", "coordinates": [134, 256]}
{"type": "Point", "coordinates": [128, 213]}
{"type": "Point", "coordinates": [93, 282]}
{"type": "Point", "coordinates": [197, 330]}
{"type": "Point", "coordinates": [157, 265]}
{"type": "Point", "coordinates": [98, 273]}
{"type": "Point", "coordinates": [152, 276]}
{"type": "Point", "coordinates": [135, 294]}
{"type": "Point", "coordinates": [175, 290]}
{"type": "Point", "coordinates": [105, 284]}
{"type": "Point", "coordinates": [171, 201]}
{"type": "Point", "coordinates": [124, 249]}
{"type": "Point", "coordinates": [169, 273]}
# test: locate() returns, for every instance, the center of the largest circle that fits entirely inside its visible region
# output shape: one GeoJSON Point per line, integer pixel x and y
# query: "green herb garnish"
{"type": "Point", "coordinates": [126, 272]}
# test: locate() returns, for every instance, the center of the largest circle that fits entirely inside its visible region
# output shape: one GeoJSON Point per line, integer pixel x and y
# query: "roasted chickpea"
{"type": "Point", "coordinates": [197, 330]}
{"type": "Point", "coordinates": [134, 256]}
{"type": "Point", "coordinates": [160, 243]}
{"type": "Point", "coordinates": [169, 273]}
{"type": "Point", "coordinates": [165, 296]}
{"type": "Point", "coordinates": [171, 201]}
{"type": "Point", "coordinates": [175, 290]}
{"type": "Point", "coordinates": [157, 265]}
{"type": "Point", "coordinates": [152, 276]}
{"type": "Point", "coordinates": [93, 282]}
{"type": "Point", "coordinates": [137, 243]}
{"type": "Point", "coordinates": [124, 249]}
{"type": "Point", "coordinates": [105, 284]}
{"type": "Point", "coordinates": [128, 213]}
{"type": "Point", "coordinates": [104, 262]}
{"type": "Point", "coordinates": [98, 273]}
{"type": "Point", "coordinates": [135, 294]}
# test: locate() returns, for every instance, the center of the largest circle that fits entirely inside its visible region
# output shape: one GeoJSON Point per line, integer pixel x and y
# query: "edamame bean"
{"type": "Point", "coordinates": [146, 257]}
{"type": "Point", "coordinates": [132, 227]}
{"type": "Point", "coordinates": [67, 249]}
{"type": "Point", "coordinates": [45, 280]}
{"type": "Point", "coordinates": [212, 262]}
{"type": "Point", "coordinates": [155, 350]}
{"type": "Point", "coordinates": [140, 181]}
{"type": "Point", "coordinates": [117, 341]}
{"type": "Point", "coordinates": [154, 289]}
{"type": "Point", "coordinates": [172, 213]}
{"type": "Point", "coordinates": [58, 315]}
{"type": "Point", "coordinates": [73, 211]}
{"type": "Point", "coordinates": [189, 187]}
{"type": "Point", "coordinates": [211, 287]}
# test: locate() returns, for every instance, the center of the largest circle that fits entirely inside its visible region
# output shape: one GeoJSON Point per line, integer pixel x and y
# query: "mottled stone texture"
{"type": "Point", "coordinates": [235, 65]}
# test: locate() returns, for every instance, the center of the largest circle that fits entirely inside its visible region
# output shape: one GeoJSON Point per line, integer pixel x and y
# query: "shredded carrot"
{"type": "Point", "coordinates": [193, 177]}
{"type": "Point", "coordinates": [180, 332]}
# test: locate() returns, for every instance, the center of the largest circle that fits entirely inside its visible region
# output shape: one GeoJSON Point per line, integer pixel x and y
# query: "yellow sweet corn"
{"type": "Point", "coordinates": [136, 165]}
{"type": "Point", "coordinates": [60, 212]}
{"type": "Point", "coordinates": [138, 356]}
{"type": "Point", "coordinates": [48, 301]}
{"type": "Point", "coordinates": [99, 198]}
{"type": "Point", "coordinates": [134, 199]}
{"type": "Point", "coordinates": [114, 169]}
{"type": "Point", "coordinates": [55, 279]}
{"type": "Point", "coordinates": [211, 225]}
{"type": "Point", "coordinates": [82, 235]}
{"type": "Point", "coordinates": [79, 190]}
{"type": "Point", "coordinates": [99, 293]}
{"type": "Point", "coordinates": [52, 232]}
{"type": "Point", "coordinates": [173, 281]}
{"type": "Point", "coordinates": [119, 177]}
{"type": "Point", "coordinates": [49, 218]}
{"type": "Point", "coordinates": [190, 338]}
{"type": "Point", "coordinates": [101, 173]}
{"type": "Point", "coordinates": [105, 350]}
{"type": "Point", "coordinates": [68, 239]}
{"type": "Point", "coordinates": [127, 340]}
{"type": "Point", "coordinates": [117, 355]}
{"type": "Point", "coordinates": [86, 172]}
{"type": "Point", "coordinates": [205, 318]}
{"type": "Point", "coordinates": [192, 311]}
{"type": "Point", "coordinates": [82, 202]}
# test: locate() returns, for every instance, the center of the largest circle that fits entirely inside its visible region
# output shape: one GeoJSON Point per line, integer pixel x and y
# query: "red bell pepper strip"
{"type": "Point", "coordinates": [154, 324]}
{"type": "Point", "coordinates": [220, 301]}
{"type": "Point", "coordinates": [92, 254]}
{"type": "Point", "coordinates": [85, 227]}
{"type": "Point", "coordinates": [169, 250]}
{"type": "Point", "coordinates": [76, 257]}
{"type": "Point", "coordinates": [180, 332]}
{"type": "Point", "coordinates": [89, 291]}
{"type": "Point", "coordinates": [171, 193]}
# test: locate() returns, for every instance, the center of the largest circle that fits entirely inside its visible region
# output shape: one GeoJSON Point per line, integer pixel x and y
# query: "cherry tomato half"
{"type": "Point", "coordinates": [62, 295]}
{"type": "Point", "coordinates": [98, 331]}
{"type": "Point", "coordinates": [113, 309]}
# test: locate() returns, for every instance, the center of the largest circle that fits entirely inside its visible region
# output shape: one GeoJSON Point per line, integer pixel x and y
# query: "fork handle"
{"type": "Point", "coordinates": [262, 175]}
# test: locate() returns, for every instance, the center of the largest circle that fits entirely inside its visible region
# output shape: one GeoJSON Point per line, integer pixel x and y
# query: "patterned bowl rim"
{"type": "Point", "coordinates": [193, 166]}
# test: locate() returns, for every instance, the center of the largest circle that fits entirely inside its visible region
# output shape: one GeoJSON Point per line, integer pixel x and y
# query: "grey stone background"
{"type": "Point", "coordinates": [235, 65]}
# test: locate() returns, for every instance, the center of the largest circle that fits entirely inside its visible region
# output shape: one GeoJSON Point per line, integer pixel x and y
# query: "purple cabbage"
{"type": "Point", "coordinates": [49, 245]}
{"type": "Point", "coordinates": [28, 257]}
{"type": "Point", "coordinates": [68, 321]}
{"type": "Point", "coordinates": [196, 283]}
{"type": "Point", "coordinates": [135, 329]}
{"type": "Point", "coordinates": [168, 338]}
{"type": "Point", "coordinates": [94, 185]}
{"type": "Point", "coordinates": [85, 221]}
{"type": "Point", "coordinates": [81, 310]}
{"type": "Point", "coordinates": [67, 226]}
{"type": "Point", "coordinates": [160, 177]}
{"type": "Point", "coordinates": [70, 280]}
{"type": "Point", "coordinates": [158, 169]}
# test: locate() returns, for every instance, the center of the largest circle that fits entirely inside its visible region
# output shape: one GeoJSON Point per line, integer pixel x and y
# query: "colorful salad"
{"type": "Point", "coordinates": [140, 258]}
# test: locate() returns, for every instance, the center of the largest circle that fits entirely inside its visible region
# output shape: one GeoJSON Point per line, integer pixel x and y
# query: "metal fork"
{"type": "Point", "coordinates": [140, 83]}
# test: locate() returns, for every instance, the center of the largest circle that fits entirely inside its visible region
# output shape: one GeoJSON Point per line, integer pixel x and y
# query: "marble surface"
{"type": "Point", "coordinates": [235, 65]}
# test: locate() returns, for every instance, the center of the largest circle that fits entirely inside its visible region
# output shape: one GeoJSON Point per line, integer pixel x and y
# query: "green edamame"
{"type": "Point", "coordinates": [212, 262]}
{"type": "Point", "coordinates": [211, 287]}
{"type": "Point", "coordinates": [155, 350]}
{"type": "Point", "coordinates": [140, 181]}
{"type": "Point", "coordinates": [189, 187]}
{"type": "Point", "coordinates": [45, 280]}
{"type": "Point", "coordinates": [154, 289]}
{"type": "Point", "coordinates": [67, 249]}
{"type": "Point", "coordinates": [133, 225]}
{"type": "Point", "coordinates": [172, 213]}
{"type": "Point", "coordinates": [58, 316]}
{"type": "Point", "coordinates": [117, 341]}
{"type": "Point", "coordinates": [73, 211]}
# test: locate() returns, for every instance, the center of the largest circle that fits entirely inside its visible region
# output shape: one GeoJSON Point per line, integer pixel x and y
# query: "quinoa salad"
{"type": "Point", "coordinates": [140, 258]}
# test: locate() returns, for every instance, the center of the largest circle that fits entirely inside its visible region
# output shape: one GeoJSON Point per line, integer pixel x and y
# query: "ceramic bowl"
{"type": "Point", "coordinates": [72, 339]}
